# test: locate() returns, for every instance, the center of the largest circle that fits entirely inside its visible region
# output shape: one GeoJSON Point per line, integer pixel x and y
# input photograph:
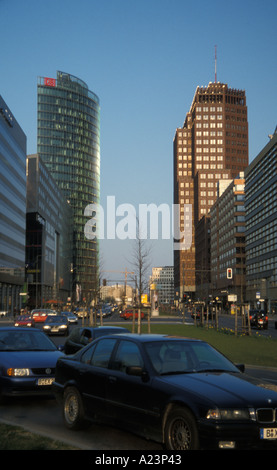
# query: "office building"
{"type": "Point", "coordinates": [118, 293]}
{"type": "Point", "coordinates": [12, 210]}
{"type": "Point", "coordinates": [69, 144]}
{"type": "Point", "coordinates": [162, 282]}
{"type": "Point", "coordinates": [48, 238]}
{"type": "Point", "coordinates": [261, 228]}
{"type": "Point", "coordinates": [227, 225]}
{"type": "Point", "coordinates": [211, 145]}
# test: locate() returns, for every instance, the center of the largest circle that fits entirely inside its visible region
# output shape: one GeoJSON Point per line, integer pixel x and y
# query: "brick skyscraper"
{"type": "Point", "coordinates": [212, 145]}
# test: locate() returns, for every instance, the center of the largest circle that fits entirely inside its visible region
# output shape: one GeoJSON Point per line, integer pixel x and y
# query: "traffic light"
{"type": "Point", "coordinates": [229, 273]}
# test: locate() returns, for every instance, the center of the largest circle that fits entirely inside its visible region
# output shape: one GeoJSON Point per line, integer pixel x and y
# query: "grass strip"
{"type": "Point", "coordinates": [17, 438]}
{"type": "Point", "coordinates": [252, 350]}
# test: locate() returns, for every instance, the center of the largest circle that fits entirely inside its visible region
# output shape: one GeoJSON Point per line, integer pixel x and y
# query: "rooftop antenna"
{"type": "Point", "coordinates": [215, 57]}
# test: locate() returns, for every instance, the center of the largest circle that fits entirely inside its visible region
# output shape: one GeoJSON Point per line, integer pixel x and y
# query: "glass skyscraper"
{"type": "Point", "coordinates": [68, 133]}
{"type": "Point", "coordinates": [12, 209]}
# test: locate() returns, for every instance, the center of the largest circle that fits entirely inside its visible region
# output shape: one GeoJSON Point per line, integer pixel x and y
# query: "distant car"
{"type": "Point", "coordinates": [81, 336]}
{"type": "Point", "coordinates": [72, 318]}
{"type": "Point", "coordinates": [3, 313]}
{"type": "Point", "coordinates": [81, 313]}
{"type": "Point", "coordinates": [128, 314]}
{"type": "Point", "coordinates": [39, 315]}
{"type": "Point", "coordinates": [106, 311]}
{"type": "Point", "coordinates": [258, 319]}
{"type": "Point", "coordinates": [27, 362]}
{"type": "Point", "coordinates": [57, 324]}
{"type": "Point", "coordinates": [24, 320]}
{"type": "Point", "coordinates": [177, 391]}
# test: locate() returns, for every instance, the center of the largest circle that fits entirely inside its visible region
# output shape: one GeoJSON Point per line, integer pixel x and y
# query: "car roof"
{"type": "Point", "coordinates": [106, 327]}
{"type": "Point", "coordinates": [16, 328]}
{"type": "Point", "coordinates": [144, 338]}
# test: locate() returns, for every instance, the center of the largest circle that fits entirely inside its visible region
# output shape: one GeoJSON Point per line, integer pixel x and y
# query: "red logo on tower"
{"type": "Point", "coordinates": [49, 81]}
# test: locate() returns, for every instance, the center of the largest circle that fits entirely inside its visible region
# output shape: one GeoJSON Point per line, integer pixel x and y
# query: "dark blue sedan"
{"type": "Point", "coordinates": [178, 391]}
{"type": "Point", "coordinates": [27, 362]}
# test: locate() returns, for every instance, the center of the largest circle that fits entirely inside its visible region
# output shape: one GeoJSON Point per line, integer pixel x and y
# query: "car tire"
{"type": "Point", "coordinates": [180, 431]}
{"type": "Point", "coordinates": [73, 409]}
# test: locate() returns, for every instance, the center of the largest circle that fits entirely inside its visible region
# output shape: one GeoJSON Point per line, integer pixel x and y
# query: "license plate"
{"type": "Point", "coordinates": [268, 433]}
{"type": "Point", "coordinates": [46, 381]}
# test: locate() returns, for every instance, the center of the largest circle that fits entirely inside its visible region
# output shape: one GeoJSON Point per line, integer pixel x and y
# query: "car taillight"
{"type": "Point", "coordinates": [266, 318]}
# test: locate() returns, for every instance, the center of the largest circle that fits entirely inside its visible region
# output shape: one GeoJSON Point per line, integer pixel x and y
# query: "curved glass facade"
{"type": "Point", "coordinates": [69, 144]}
{"type": "Point", "coordinates": [12, 209]}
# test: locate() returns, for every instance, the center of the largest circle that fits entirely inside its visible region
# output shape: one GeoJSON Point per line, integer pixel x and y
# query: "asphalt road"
{"type": "Point", "coordinates": [44, 417]}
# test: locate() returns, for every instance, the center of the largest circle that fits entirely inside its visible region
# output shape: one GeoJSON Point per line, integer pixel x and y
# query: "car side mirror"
{"type": "Point", "coordinates": [240, 367]}
{"type": "Point", "coordinates": [137, 371]}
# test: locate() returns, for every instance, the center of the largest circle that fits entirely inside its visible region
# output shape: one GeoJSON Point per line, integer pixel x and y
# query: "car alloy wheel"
{"type": "Point", "coordinates": [73, 411]}
{"type": "Point", "coordinates": [180, 430]}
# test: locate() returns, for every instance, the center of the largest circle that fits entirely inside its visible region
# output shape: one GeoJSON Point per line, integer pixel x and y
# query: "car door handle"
{"type": "Point", "coordinates": [112, 380]}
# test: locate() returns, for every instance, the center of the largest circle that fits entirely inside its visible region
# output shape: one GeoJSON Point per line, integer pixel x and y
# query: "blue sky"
{"type": "Point", "coordinates": [144, 59]}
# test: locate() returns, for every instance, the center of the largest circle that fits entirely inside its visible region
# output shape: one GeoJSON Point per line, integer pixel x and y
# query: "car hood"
{"type": "Point", "coordinates": [29, 359]}
{"type": "Point", "coordinates": [223, 388]}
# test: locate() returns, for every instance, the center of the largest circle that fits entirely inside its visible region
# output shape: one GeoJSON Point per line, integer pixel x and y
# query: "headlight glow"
{"type": "Point", "coordinates": [228, 414]}
{"type": "Point", "coordinates": [12, 372]}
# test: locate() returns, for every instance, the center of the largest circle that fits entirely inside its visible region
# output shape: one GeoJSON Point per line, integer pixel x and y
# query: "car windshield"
{"type": "Point", "coordinates": [179, 357]}
{"type": "Point", "coordinates": [25, 341]}
{"type": "Point", "coordinates": [56, 319]}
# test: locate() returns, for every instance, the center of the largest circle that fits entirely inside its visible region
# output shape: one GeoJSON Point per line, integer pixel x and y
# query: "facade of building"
{"type": "Point", "coordinates": [227, 217]}
{"type": "Point", "coordinates": [162, 282]}
{"type": "Point", "coordinates": [68, 141]}
{"type": "Point", "coordinates": [203, 257]}
{"type": "Point", "coordinates": [211, 145]}
{"type": "Point", "coordinates": [48, 237]}
{"type": "Point", "coordinates": [261, 227]}
{"type": "Point", "coordinates": [12, 210]}
{"type": "Point", "coordinates": [119, 293]}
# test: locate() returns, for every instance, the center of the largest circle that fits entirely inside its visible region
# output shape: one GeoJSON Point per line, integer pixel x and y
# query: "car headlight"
{"type": "Point", "coordinates": [46, 327]}
{"type": "Point", "coordinates": [229, 414]}
{"type": "Point", "coordinates": [13, 372]}
{"type": "Point", "coordinates": [63, 326]}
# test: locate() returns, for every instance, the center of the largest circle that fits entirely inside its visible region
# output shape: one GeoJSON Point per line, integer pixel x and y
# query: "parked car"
{"type": "Point", "coordinates": [81, 336]}
{"type": "Point", "coordinates": [72, 318]}
{"type": "Point", "coordinates": [57, 324]}
{"type": "Point", "coordinates": [128, 314]}
{"type": "Point", "coordinates": [24, 320]}
{"type": "Point", "coordinates": [177, 391]}
{"type": "Point", "coordinates": [39, 315]}
{"type": "Point", "coordinates": [27, 362]}
{"type": "Point", "coordinates": [258, 319]}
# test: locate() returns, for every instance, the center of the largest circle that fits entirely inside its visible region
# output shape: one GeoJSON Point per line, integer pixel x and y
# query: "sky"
{"type": "Point", "coordinates": [144, 59]}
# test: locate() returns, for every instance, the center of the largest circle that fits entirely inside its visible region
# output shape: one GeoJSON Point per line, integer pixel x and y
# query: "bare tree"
{"type": "Point", "coordinates": [140, 263]}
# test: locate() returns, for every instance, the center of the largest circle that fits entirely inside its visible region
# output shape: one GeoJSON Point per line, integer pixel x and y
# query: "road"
{"type": "Point", "coordinates": [43, 416]}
